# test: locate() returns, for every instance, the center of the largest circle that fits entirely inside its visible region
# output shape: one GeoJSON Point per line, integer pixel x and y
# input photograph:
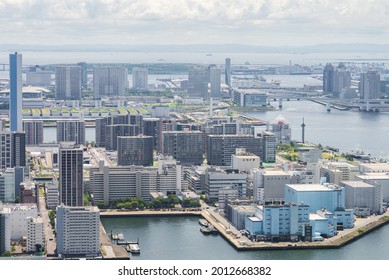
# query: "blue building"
{"type": "Point", "coordinates": [15, 104]}
{"type": "Point", "coordinates": [344, 218]}
{"type": "Point", "coordinates": [326, 196]}
{"type": "Point", "coordinates": [323, 224]}
{"type": "Point", "coordinates": [280, 222]}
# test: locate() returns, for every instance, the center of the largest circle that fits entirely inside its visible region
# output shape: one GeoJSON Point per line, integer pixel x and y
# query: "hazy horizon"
{"type": "Point", "coordinates": [185, 22]}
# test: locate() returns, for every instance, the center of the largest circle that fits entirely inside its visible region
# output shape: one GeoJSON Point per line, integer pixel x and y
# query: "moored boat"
{"type": "Point", "coordinates": [203, 222]}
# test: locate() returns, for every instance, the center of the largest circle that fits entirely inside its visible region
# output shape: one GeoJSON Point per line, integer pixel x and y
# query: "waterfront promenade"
{"type": "Point", "coordinates": [149, 213]}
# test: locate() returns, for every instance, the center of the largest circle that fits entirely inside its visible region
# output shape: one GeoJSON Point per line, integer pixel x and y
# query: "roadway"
{"type": "Point", "coordinates": [50, 240]}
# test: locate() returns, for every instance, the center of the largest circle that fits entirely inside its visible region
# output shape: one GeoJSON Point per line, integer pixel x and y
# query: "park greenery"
{"type": "Point", "coordinates": [170, 201]}
{"type": "Point", "coordinates": [290, 152]}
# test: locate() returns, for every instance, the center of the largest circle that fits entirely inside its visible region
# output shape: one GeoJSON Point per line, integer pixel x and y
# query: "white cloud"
{"type": "Point", "coordinates": [190, 21]}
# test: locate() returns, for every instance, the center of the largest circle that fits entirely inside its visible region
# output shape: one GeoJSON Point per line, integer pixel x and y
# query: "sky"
{"type": "Point", "coordinates": [139, 22]}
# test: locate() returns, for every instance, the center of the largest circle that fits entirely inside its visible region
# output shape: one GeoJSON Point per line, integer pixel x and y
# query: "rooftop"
{"type": "Point", "coordinates": [254, 219]}
{"type": "Point", "coordinates": [316, 217]}
{"type": "Point", "coordinates": [374, 176]}
{"type": "Point", "coordinates": [312, 187]}
{"type": "Point", "coordinates": [275, 173]}
{"type": "Point", "coordinates": [357, 184]}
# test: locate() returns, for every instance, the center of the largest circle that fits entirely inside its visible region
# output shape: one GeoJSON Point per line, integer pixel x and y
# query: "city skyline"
{"type": "Point", "coordinates": [201, 22]}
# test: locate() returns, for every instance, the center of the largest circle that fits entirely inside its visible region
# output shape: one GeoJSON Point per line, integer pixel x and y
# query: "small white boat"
{"type": "Point", "coordinates": [133, 248]}
{"type": "Point", "coordinates": [203, 222]}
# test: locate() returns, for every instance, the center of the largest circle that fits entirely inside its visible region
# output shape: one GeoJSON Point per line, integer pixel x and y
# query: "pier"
{"type": "Point", "coordinates": [110, 251]}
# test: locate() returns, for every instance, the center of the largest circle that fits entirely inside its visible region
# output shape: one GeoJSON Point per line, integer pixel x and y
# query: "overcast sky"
{"type": "Point", "coordinates": [251, 22]}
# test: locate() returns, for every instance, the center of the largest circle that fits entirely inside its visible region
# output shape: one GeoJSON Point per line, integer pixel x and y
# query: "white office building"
{"type": "Point", "coordinates": [309, 154]}
{"type": "Point", "coordinates": [244, 161]}
{"type": "Point", "coordinates": [35, 234]}
{"type": "Point", "coordinates": [169, 176]}
{"type": "Point", "coordinates": [52, 196]}
{"type": "Point", "coordinates": [78, 231]}
{"type": "Point", "coordinates": [273, 184]}
{"type": "Point", "coordinates": [19, 214]}
{"type": "Point", "coordinates": [216, 179]}
{"type": "Point", "coordinates": [335, 172]}
{"type": "Point", "coordinates": [122, 182]}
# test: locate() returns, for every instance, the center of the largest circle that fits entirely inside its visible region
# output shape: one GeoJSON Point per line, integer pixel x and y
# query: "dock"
{"type": "Point", "coordinates": [110, 251]}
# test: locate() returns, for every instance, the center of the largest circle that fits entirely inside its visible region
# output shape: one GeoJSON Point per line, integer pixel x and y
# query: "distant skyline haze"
{"type": "Point", "coordinates": [170, 22]}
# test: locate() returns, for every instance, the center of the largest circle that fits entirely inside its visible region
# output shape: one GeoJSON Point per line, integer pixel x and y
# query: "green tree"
{"type": "Point", "coordinates": [101, 204]}
{"type": "Point", "coordinates": [194, 204]}
{"type": "Point", "coordinates": [186, 202]}
{"type": "Point", "coordinates": [121, 205]}
{"type": "Point", "coordinates": [173, 200]}
{"type": "Point", "coordinates": [6, 254]}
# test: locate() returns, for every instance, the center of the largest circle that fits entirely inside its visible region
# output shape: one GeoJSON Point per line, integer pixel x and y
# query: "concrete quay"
{"type": "Point", "coordinates": [241, 243]}
{"type": "Point", "coordinates": [233, 236]}
{"type": "Point", "coordinates": [149, 213]}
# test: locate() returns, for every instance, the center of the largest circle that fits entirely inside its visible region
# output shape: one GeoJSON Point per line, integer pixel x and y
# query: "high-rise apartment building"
{"type": "Point", "coordinates": [328, 78]}
{"type": "Point", "coordinates": [220, 148]}
{"type": "Point", "coordinates": [34, 132]}
{"type": "Point", "coordinates": [369, 85]}
{"type": "Point", "coordinates": [151, 127]}
{"type": "Point", "coordinates": [78, 231]}
{"type": "Point", "coordinates": [84, 74]}
{"type": "Point", "coordinates": [198, 83]}
{"type": "Point", "coordinates": [113, 131]}
{"type": "Point", "coordinates": [13, 149]}
{"type": "Point", "coordinates": [184, 146]}
{"type": "Point", "coordinates": [38, 77]}
{"type": "Point", "coordinates": [139, 78]}
{"type": "Point", "coordinates": [15, 99]}
{"type": "Point", "coordinates": [227, 72]}
{"type": "Point", "coordinates": [106, 135]}
{"type": "Point", "coordinates": [71, 131]}
{"type": "Point", "coordinates": [214, 80]}
{"type": "Point", "coordinates": [67, 82]}
{"type": "Point", "coordinates": [341, 80]}
{"type": "Point", "coordinates": [71, 174]}
{"type": "Point", "coordinates": [135, 150]}
{"type": "Point", "coordinates": [109, 81]}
